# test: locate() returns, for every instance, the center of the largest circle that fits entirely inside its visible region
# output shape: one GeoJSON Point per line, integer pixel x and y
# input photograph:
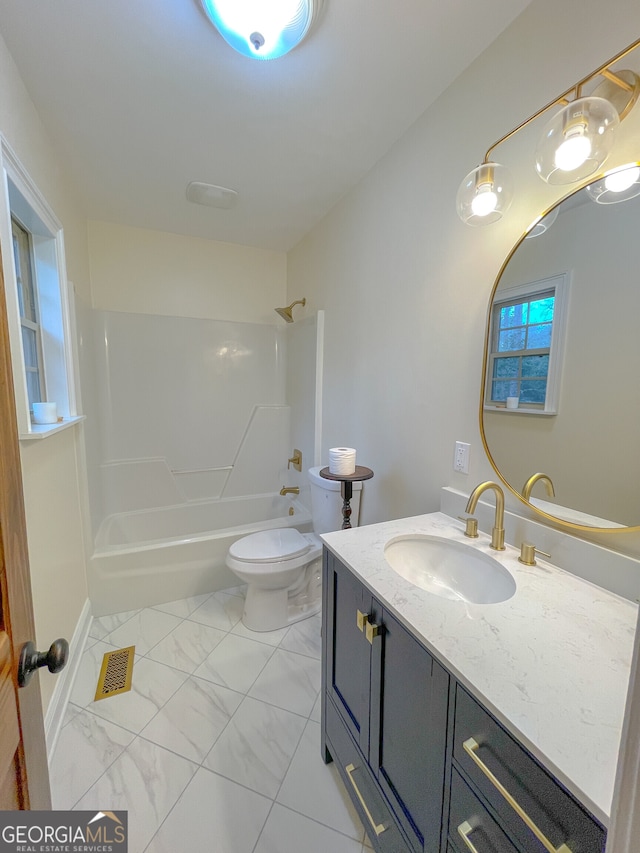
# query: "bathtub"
{"type": "Point", "coordinates": [157, 555]}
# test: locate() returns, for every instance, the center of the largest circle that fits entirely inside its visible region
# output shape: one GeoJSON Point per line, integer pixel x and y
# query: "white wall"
{"type": "Point", "coordinates": [406, 285]}
{"type": "Point", "coordinates": [52, 469]}
{"type": "Point", "coordinates": [152, 272]}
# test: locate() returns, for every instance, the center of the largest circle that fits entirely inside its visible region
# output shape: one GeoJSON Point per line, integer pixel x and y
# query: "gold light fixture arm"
{"type": "Point", "coordinates": [576, 90]}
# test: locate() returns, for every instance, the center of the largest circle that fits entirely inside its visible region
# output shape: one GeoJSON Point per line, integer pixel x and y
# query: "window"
{"type": "Point", "coordinates": [525, 344]}
{"type": "Point", "coordinates": [38, 310]}
{"type": "Point", "coordinates": [28, 305]}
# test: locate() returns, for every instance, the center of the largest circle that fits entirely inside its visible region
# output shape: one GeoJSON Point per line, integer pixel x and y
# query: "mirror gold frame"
{"type": "Point", "coordinates": [564, 523]}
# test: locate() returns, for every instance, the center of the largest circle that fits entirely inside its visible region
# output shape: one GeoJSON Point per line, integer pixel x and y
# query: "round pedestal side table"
{"type": "Point", "coordinates": [346, 488]}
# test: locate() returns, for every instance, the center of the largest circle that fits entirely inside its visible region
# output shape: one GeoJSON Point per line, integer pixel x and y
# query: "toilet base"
{"type": "Point", "coordinates": [271, 609]}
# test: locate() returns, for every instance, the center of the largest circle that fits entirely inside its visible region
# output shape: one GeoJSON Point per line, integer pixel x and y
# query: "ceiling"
{"type": "Point", "coordinates": [139, 98]}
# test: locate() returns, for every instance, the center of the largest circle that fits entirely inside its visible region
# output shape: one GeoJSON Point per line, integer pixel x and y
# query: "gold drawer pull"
{"type": "Point", "coordinates": [361, 619]}
{"type": "Point", "coordinates": [464, 830]}
{"type": "Point", "coordinates": [377, 828]}
{"type": "Point", "coordinates": [372, 631]}
{"type": "Point", "coordinates": [470, 746]}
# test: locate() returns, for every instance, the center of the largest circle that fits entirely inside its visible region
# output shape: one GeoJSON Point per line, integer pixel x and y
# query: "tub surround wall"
{"type": "Point", "coordinates": [188, 409]}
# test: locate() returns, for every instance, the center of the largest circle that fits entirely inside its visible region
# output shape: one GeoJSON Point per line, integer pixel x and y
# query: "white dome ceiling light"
{"type": "Point", "coordinates": [262, 30]}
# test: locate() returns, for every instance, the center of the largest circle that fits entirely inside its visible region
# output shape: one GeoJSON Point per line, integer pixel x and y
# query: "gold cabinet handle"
{"type": "Point", "coordinates": [371, 631]}
{"type": "Point", "coordinates": [361, 619]}
{"type": "Point", "coordinates": [464, 831]}
{"type": "Point", "coordinates": [378, 828]}
{"type": "Point", "coordinates": [471, 746]}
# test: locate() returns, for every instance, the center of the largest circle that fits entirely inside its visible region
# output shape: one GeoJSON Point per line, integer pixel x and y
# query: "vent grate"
{"type": "Point", "coordinates": [116, 673]}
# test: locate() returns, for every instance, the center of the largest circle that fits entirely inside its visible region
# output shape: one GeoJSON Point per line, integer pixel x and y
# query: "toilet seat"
{"type": "Point", "coordinates": [270, 546]}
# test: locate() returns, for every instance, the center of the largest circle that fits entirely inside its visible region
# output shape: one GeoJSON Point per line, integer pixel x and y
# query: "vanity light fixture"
{"type": "Point", "coordinates": [573, 145]}
{"type": "Point", "coordinates": [259, 29]}
{"type": "Point", "coordinates": [543, 224]}
{"type": "Point", "coordinates": [619, 185]}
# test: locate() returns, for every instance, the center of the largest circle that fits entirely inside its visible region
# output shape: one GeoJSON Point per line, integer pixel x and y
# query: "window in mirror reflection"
{"type": "Point", "coordinates": [524, 340]}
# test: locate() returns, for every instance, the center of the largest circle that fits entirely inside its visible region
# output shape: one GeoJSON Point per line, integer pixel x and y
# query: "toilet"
{"type": "Point", "coordinates": [283, 567]}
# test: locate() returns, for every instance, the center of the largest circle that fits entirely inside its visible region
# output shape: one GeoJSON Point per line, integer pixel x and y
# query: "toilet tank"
{"type": "Point", "coordinates": [326, 502]}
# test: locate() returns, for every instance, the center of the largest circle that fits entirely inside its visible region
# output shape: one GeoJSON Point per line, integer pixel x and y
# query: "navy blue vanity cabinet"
{"type": "Point", "coordinates": [502, 793]}
{"type": "Point", "coordinates": [391, 697]}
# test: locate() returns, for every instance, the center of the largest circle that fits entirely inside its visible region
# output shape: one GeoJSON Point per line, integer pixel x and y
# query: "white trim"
{"type": "Point", "coordinates": [65, 681]}
{"type": "Point", "coordinates": [317, 443]}
{"type": "Point", "coordinates": [45, 430]}
{"type": "Point", "coordinates": [21, 195]}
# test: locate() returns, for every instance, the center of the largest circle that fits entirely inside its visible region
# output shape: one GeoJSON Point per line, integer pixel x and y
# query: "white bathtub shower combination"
{"type": "Point", "coordinates": [151, 556]}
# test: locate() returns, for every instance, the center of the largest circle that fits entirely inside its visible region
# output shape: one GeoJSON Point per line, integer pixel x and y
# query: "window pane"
{"type": "Point", "coordinates": [535, 366]}
{"type": "Point", "coordinates": [506, 367]}
{"type": "Point", "coordinates": [539, 336]}
{"type": "Point", "coordinates": [30, 347]}
{"type": "Point", "coordinates": [533, 390]}
{"type": "Point", "coordinates": [542, 310]}
{"type": "Point", "coordinates": [513, 339]}
{"type": "Point", "coordinates": [500, 390]}
{"type": "Point", "coordinates": [33, 388]}
{"type": "Point", "coordinates": [513, 315]}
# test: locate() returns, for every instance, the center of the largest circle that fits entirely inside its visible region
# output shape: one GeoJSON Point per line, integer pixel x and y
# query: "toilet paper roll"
{"type": "Point", "coordinates": [342, 460]}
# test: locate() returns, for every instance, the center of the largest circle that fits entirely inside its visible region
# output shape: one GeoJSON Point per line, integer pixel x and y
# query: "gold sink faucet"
{"type": "Point", "coordinates": [526, 489]}
{"type": "Point", "coordinates": [290, 490]}
{"type": "Point", "coordinates": [497, 532]}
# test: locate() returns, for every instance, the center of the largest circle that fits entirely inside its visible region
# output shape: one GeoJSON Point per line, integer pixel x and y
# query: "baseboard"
{"type": "Point", "coordinates": [65, 680]}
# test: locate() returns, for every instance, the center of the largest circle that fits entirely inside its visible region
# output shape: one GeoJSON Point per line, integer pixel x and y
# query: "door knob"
{"type": "Point", "coordinates": [31, 659]}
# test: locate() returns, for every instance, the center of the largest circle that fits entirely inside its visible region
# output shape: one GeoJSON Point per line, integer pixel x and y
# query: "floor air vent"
{"type": "Point", "coordinates": [116, 672]}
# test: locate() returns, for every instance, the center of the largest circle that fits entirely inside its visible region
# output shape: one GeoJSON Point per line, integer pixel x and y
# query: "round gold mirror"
{"type": "Point", "coordinates": [560, 406]}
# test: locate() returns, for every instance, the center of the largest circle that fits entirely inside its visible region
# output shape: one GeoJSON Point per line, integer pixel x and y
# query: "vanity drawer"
{"type": "Point", "coordinates": [362, 787]}
{"type": "Point", "coordinates": [482, 748]}
{"type": "Point", "coordinates": [471, 827]}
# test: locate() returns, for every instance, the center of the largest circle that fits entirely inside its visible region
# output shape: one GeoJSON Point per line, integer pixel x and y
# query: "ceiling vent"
{"type": "Point", "coordinates": [210, 195]}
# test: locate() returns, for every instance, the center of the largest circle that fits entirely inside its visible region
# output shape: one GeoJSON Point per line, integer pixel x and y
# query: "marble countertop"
{"type": "Point", "coordinates": [552, 663]}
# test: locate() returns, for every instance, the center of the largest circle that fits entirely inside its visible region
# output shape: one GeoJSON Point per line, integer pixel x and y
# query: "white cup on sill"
{"type": "Point", "coordinates": [512, 402]}
{"type": "Point", "coordinates": [45, 413]}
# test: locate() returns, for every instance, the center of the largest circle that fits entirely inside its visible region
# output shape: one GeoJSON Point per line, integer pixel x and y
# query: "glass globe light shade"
{"type": "Point", "coordinates": [619, 185]}
{"type": "Point", "coordinates": [576, 141]}
{"type": "Point", "coordinates": [259, 29]}
{"type": "Point", "coordinates": [543, 225]}
{"type": "Point", "coordinates": [485, 194]}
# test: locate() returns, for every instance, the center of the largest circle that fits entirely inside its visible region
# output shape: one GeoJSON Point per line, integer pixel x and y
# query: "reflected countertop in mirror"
{"type": "Point", "coordinates": [588, 447]}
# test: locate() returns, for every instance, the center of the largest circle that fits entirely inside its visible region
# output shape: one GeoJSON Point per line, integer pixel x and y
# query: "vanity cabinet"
{"type": "Point", "coordinates": [428, 768]}
{"type": "Point", "coordinates": [385, 715]}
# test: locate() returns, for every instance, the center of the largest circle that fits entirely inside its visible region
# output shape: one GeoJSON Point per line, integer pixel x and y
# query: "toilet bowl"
{"type": "Point", "coordinates": [283, 567]}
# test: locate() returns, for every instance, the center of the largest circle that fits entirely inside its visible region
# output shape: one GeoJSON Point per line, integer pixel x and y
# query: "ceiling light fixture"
{"type": "Point", "coordinates": [573, 145]}
{"type": "Point", "coordinates": [259, 29]}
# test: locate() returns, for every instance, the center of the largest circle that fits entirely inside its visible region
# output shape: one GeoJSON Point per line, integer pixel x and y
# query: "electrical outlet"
{"type": "Point", "coordinates": [461, 457]}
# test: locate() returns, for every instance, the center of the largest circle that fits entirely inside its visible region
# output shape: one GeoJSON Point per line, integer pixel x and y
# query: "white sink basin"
{"type": "Point", "coordinates": [449, 569]}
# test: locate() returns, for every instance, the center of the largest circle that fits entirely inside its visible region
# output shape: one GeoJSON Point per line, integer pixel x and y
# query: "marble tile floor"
{"type": "Point", "coordinates": [217, 745]}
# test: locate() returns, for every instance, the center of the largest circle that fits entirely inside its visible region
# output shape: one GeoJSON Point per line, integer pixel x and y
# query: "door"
{"type": "Point", "coordinates": [24, 777]}
{"type": "Point", "coordinates": [409, 703]}
{"type": "Point", "coordinates": [347, 605]}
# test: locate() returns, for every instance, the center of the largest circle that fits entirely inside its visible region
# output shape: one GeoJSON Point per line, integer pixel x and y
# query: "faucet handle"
{"type": "Point", "coordinates": [295, 460]}
{"type": "Point", "coordinates": [471, 526]}
{"type": "Point", "coordinates": [528, 553]}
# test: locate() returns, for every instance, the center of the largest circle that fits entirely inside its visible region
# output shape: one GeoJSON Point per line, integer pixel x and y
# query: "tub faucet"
{"type": "Point", "coordinates": [290, 490]}
{"type": "Point", "coordinates": [526, 489]}
{"type": "Point", "coordinates": [497, 532]}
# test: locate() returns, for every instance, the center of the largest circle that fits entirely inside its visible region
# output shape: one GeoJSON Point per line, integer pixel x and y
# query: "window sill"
{"type": "Point", "coordinates": [521, 410]}
{"type": "Point", "coordinates": [45, 430]}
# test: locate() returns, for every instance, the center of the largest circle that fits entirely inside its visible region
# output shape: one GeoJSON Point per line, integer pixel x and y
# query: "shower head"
{"type": "Point", "coordinates": [287, 313]}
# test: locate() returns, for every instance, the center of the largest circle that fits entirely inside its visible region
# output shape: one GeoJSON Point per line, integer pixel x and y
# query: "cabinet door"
{"type": "Point", "coordinates": [409, 701]}
{"type": "Point", "coordinates": [347, 652]}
